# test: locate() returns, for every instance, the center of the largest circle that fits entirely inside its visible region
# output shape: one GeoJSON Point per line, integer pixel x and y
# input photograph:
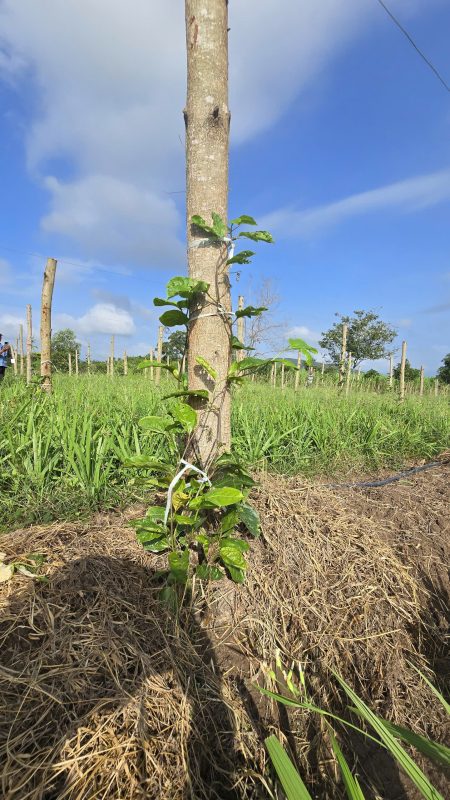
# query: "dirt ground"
{"type": "Point", "coordinates": [104, 695]}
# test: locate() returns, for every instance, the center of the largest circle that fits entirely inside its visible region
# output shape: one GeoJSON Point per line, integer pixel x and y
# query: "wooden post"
{"type": "Point", "coordinates": [152, 368]}
{"type": "Point", "coordinates": [322, 372]}
{"type": "Point", "coordinates": [88, 359]}
{"type": "Point", "coordinates": [22, 360]}
{"type": "Point", "coordinates": [111, 358]}
{"type": "Point", "coordinates": [349, 372]}
{"type": "Point", "coordinates": [436, 387]}
{"type": "Point", "coordinates": [421, 381]}
{"type": "Point", "coordinates": [343, 354]}
{"type": "Point", "coordinates": [282, 376]}
{"type": "Point", "coordinates": [77, 372]}
{"type": "Point", "coordinates": [159, 354]}
{"type": "Point", "coordinates": [402, 373]}
{"type": "Point", "coordinates": [70, 363]}
{"type": "Point", "coordinates": [125, 363]}
{"type": "Point", "coordinates": [16, 352]}
{"type": "Point", "coordinates": [272, 375]}
{"type": "Point", "coordinates": [46, 324]}
{"type": "Point", "coordinates": [275, 374]}
{"type": "Point", "coordinates": [391, 371]}
{"type": "Point", "coordinates": [29, 341]}
{"type": "Point", "coordinates": [297, 374]}
{"type": "Point", "coordinates": [240, 329]}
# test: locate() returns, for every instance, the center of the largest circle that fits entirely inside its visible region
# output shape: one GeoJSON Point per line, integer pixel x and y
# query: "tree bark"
{"type": "Point", "coordinates": [343, 354]}
{"type": "Point", "coordinates": [207, 120]}
{"type": "Point", "coordinates": [421, 381]}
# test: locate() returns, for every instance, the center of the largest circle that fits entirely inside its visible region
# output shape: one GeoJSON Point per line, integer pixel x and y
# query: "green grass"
{"type": "Point", "coordinates": [61, 456]}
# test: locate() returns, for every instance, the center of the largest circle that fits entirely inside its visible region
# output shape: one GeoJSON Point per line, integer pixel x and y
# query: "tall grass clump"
{"type": "Point", "coordinates": [61, 456]}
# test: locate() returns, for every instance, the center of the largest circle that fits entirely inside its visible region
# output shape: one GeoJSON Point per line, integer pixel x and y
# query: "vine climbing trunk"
{"type": "Point", "coordinates": [207, 120]}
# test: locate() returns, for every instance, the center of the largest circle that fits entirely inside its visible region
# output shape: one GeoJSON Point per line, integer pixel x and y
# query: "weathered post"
{"type": "Point", "coordinates": [152, 368]}
{"type": "Point", "coordinates": [240, 329]}
{"type": "Point", "coordinates": [391, 371]}
{"type": "Point", "coordinates": [349, 372]}
{"type": "Point", "coordinates": [70, 363]}
{"type": "Point", "coordinates": [159, 354]}
{"type": "Point", "coordinates": [436, 387]}
{"type": "Point", "coordinates": [322, 372]}
{"type": "Point", "coordinates": [272, 375]}
{"type": "Point", "coordinates": [88, 359]}
{"type": "Point", "coordinates": [16, 352]}
{"type": "Point", "coordinates": [46, 324]}
{"type": "Point", "coordinates": [343, 354]}
{"type": "Point", "coordinates": [207, 121]}
{"type": "Point", "coordinates": [29, 341]}
{"type": "Point", "coordinates": [402, 373]}
{"type": "Point", "coordinates": [282, 376]}
{"type": "Point", "coordinates": [111, 359]}
{"type": "Point", "coordinates": [421, 381]}
{"type": "Point", "coordinates": [22, 358]}
{"type": "Point", "coordinates": [125, 363]}
{"type": "Point", "coordinates": [297, 374]}
{"type": "Point", "coordinates": [77, 371]}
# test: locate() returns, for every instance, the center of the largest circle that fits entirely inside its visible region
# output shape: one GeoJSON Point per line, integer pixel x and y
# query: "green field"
{"type": "Point", "coordinates": [61, 456]}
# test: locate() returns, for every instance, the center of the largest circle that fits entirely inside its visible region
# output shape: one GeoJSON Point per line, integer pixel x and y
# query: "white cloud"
{"type": "Point", "coordinates": [405, 322]}
{"type": "Point", "coordinates": [5, 273]}
{"type": "Point", "coordinates": [102, 318]}
{"type": "Point", "coordinates": [408, 195]}
{"type": "Point", "coordinates": [116, 220]}
{"type": "Point", "coordinates": [10, 325]}
{"type": "Point", "coordinates": [109, 86]}
{"type": "Point", "coordinates": [303, 332]}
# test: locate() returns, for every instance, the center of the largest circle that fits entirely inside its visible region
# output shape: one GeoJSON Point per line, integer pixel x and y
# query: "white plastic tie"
{"type": "Point", "coordinates": [187, 466]}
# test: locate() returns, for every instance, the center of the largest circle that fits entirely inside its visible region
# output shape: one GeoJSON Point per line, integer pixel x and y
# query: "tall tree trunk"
{"type": "Point", "coordinates": [207, 120]}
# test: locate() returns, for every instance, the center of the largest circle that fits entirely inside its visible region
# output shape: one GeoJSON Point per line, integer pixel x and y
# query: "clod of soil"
{"type": "Point", "coordinates": [103, 695]}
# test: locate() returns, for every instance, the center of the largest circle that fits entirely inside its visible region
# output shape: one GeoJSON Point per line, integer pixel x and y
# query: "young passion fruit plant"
{"type": "Point", "coordinates": [202, 518]}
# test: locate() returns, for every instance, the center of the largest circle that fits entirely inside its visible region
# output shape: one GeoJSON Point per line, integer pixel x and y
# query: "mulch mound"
{"type": "Point", "coordinates": [105, 695]}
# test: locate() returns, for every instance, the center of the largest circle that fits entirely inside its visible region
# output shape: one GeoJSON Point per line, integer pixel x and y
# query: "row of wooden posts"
{"type": "Point", "coordinates": [22, 361]}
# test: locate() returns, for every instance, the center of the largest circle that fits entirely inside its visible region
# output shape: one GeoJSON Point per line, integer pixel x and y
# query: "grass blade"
{"type": "Point", "coordinates": [351, 784]}
{"type": "Point", "coordinates": [289, 778]}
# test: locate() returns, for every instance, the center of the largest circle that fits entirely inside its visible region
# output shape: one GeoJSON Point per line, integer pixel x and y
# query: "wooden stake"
{"type": "Point", "coordinates": [16, 351]}
{"type": "Point", "coordinates": [343, 354]}
{"type": "Point", "coordinates": [421, 381]}
{"type": "Point", "coordinates": [77, 372]}
{"type": "Point", "coordinates": [70, 363]}
{"type": "Point", "coordinates": [46, 324]}
{"type": "Point", "coordinates": [152, 368]}
{"type": "Point", "coordinates": [349, 372]}
{"type": "Point", "coordinates": [22, 360]}
{"type": "Point", "coordinates": [159, 354]}
{"type": "Point", "coordinates": [125, 363]}
{"type": "Point", "coordinates": [297, 374]}
{"type": "Point", "coordinates": [391, 371]}
{"type": "Point", "coordinates": [88, 359]}
{"type": "Point", "coordinates": [29, 341]}
{"type": "Point", "coordinates": [111, 358]}
{"type": "Point", "coordinates": [402, 373]}
{"type": "Point", "coordinates": [272, 375]}
{"type": "Point", "coordinates": [322, 372]}
{"type": "Point", "coordinates": [436, 387]}
{"type": "Point", "coordinates": [282, 376]}
{"type": "Point", "coordinates": [240, 329]}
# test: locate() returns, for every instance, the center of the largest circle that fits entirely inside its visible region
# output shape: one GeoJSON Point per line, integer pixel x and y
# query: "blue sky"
{"type": "Point", "coordinates": [340, 146]}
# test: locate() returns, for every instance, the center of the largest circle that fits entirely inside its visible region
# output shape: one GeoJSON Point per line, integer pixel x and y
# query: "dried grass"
{"type": "Point", "coordinates": [104, 696]}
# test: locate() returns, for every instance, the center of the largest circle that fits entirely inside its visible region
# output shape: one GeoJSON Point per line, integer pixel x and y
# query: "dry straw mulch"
{"type": "Point", "coordinates": [103, 695]}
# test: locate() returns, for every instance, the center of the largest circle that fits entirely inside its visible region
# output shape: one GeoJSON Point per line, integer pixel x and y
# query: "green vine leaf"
{"type": "Point", "coordinates": [185, 415]}
{"type": "Point", "coordinates": [179, 566]}
{"type": "Point", "coordinates": [250, 518]}
{"type": "Point", "coordinates": [155, 424]}
{"type": "Point", "coordinates": [185, 287]}
{"type": "Point", "coordinates": [257, 236]}
{"type": "Point", "coordinates": [207, 366]}
{"type": "Point", "coordinates": [244, 219]}
{"type": "Point", "coordinates": [199, 222]}
{"type": "Point", "coordinates": [220, 227]}
{"type": "Point", "coordinates": [202, 394]}
{"type": "Point", "coordinates": [244, 257]}
{"type": "Point", "coordinates": [217, 498]}
{"type": "Point", "coordinates": [209, 572]}
{"type": "Point", "coordinates": [231, 556]}
{"type": "Point", "coordinates": [172, 318]}
{"type": "Point", "coordinates": [236, 575]}
{"type": "Point", "coordinates": [248, 311]}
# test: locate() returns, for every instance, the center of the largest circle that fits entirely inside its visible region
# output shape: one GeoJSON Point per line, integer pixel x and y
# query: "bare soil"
{"type": "Point", "coordinates": [105, 695]}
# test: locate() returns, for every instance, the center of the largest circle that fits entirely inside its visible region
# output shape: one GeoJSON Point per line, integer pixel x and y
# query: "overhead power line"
{"type": "Point", "coordinates": [412, 42]}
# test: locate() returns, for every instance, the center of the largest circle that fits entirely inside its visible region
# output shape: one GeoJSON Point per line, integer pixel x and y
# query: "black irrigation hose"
{"type": "Point", "coordinates": [392, 479]}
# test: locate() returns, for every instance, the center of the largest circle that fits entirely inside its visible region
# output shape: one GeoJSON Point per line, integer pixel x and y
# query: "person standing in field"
{"type": "Point", "coordinates": [5, 352]}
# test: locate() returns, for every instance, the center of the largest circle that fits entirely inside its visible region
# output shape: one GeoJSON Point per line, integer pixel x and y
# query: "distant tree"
{"type": "Point", "coordinates": [63, 343]}
{"type": "Point", "coordinates": [443, 372]}
{"type": "Point", "coordinates": [411, 373]}
{"type": "Point", "coordinates": [174, 346]}
{"type": "Point", "coordinates": [265, 332]}
{"type": "Point", "coordinates": [371, 374]}
{"type": "Point", "coordinates": [368, 337]}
